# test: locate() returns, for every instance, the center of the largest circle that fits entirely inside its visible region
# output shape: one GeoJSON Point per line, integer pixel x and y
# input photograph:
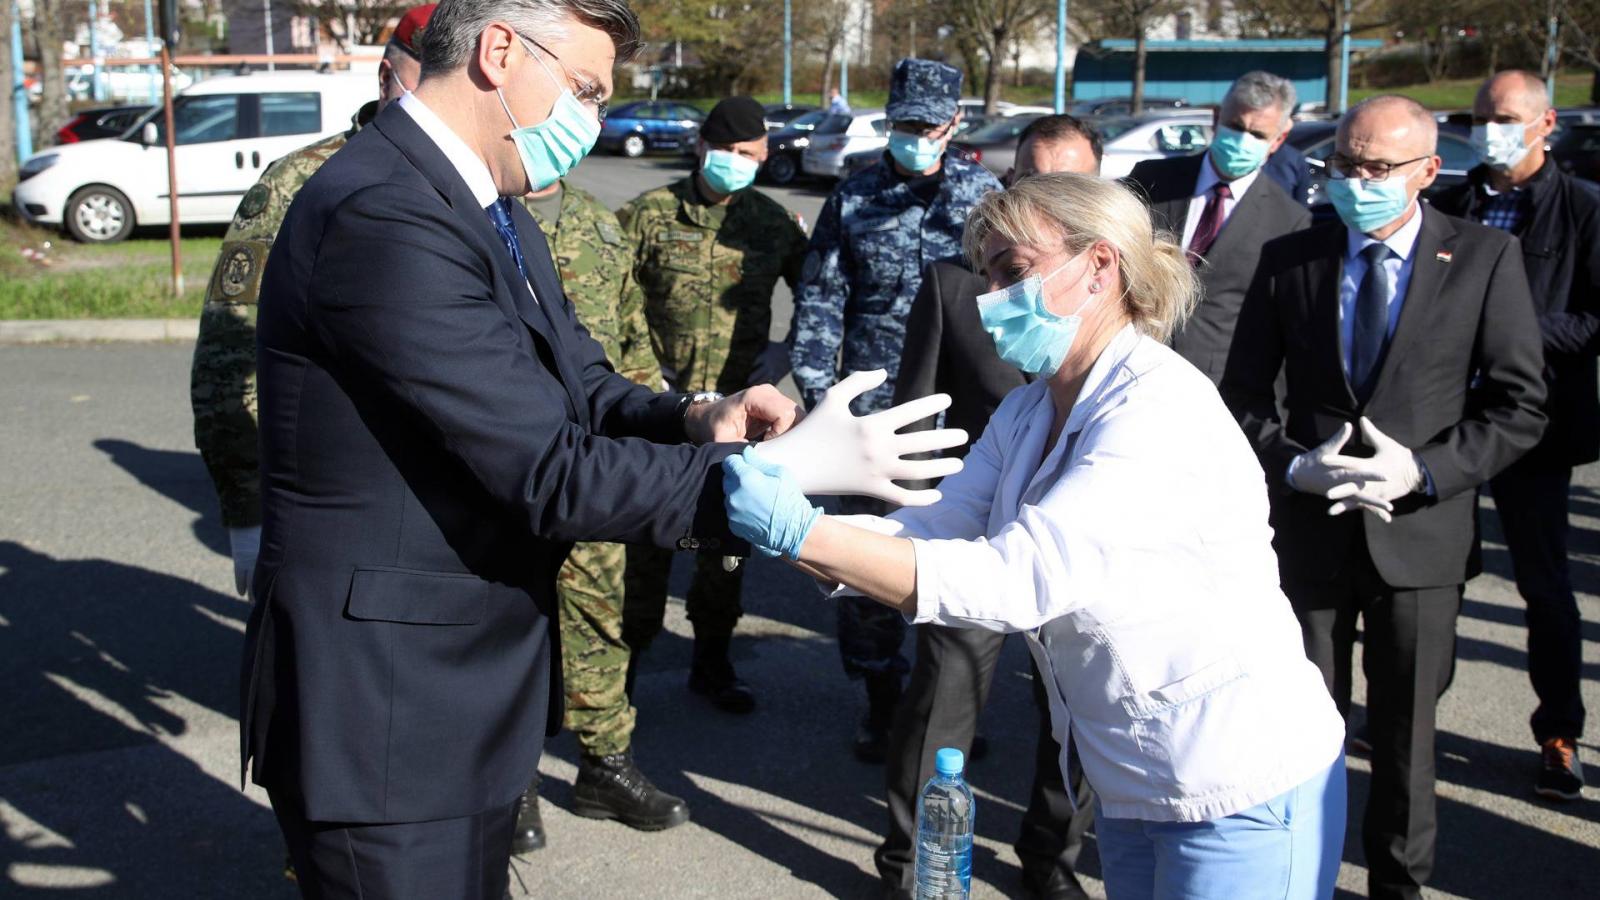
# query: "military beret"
{"type": "Point", "coordinates": [922, 90]}
{"type": "Point", "coordinates": [408, 34]}
{"type": "Point", "coordinates": [734, 119]}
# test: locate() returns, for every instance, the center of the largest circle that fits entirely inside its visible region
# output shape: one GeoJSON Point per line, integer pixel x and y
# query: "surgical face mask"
{"type": "Point", "coordinates": [1501, 145]}
{"type": "Point", "coordinates": [1237, 153]}
{"type": "Point", "coordinates": [1367, 206]}
{"type": "Point", "coordinates": [553, 147]}
{"type": "Point", "coordinates": [728, 172]}
{"type": "Point", "coordinates": [918, 154]}
{"type": "Point", "coordinates": [1025, 332]}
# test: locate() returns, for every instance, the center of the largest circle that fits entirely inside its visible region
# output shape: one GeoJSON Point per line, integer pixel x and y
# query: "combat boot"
{"type": "Point", "coordinates": [872, 737]}
{"type": "Point", "coordinates": [712, 675]}
{"type": "Point", "coordinates": [612, 787]}
{"type": "Point", "coordinates": [528, 834]}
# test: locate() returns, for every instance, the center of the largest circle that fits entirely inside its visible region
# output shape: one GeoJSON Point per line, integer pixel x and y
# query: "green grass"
{"type": "Point", "coordinates": [128, 280]}
{"type": "Point", "coordinates": [1572, 89]}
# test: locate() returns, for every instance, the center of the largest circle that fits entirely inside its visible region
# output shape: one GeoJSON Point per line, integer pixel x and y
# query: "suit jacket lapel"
{"type": "Point", "coordinates": [1427, 275]}
{"type": "Point", "coordinates": [1242, 220]}
{"type": "Point", "coordinates": [1174, 204]}
{"type": "Point", "coordinates": [549, 294]}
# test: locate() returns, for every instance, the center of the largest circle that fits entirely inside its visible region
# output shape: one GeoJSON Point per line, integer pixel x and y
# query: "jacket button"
{"type": "Point", "coordinates": [688, 544]}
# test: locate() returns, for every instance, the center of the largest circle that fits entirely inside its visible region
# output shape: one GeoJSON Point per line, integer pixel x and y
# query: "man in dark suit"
{"type": "Point", "coordinates": [1413, 330]}
{"type": "Point", "coordinates": [947, 351]}
{"type": "Point", "coordinates": [1223, 211]}
{"type": "Point", "coordinates": [1556, 217]}
{"type": "Point", "coordinates": [436, 430]}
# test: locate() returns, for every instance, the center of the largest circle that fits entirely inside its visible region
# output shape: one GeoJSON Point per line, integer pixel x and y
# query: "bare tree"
{"type": "Point", "coordinates": [352, 22]}
{"type": "Point", "coordinates": [1128, 18]}
{"type": "Point", "coordinates": [8, 143]}
{"type": "Point", "coordinates": [990, 27]}
{"type": "Point", "coordinates": [48, 34]}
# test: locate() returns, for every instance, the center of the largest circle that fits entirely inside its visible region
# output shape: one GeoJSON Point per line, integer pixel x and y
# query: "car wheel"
{"type": "Point", "coordinates": [99, 215]}
{"type": "Point", "coordinates": [781, 169]}
{"type": "Point", "coordinates": [633, 146]}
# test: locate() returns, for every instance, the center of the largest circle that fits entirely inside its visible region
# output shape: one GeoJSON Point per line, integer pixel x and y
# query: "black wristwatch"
{"type": "Point", "coordinates": [695, 399]}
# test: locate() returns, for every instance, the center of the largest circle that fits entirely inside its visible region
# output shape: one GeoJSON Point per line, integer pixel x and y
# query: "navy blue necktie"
{"type": "Point", "coordinates": [500, 214]}
{"type": "Point", "coordinates": [1370, 330]}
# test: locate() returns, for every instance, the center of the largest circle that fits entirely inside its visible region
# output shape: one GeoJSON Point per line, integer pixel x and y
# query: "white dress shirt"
{"type": "Point", "coordinates": [1138, 559]}
{"type": "Point", "coordinates": [1397, 267]}
{"type": "Point", "coordinates": [1202, 190]}
{"type": "Point", "coordinates": [467, 164]}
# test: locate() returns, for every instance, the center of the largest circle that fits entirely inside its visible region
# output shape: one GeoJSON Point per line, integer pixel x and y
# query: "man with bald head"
{"type": "Point", "coordinates": [1556, 217]}
{"type": "Point", "coordinates": [1411, 361]}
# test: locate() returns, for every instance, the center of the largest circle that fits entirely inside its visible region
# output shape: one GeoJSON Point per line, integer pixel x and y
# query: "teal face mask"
{"type": "Point", "coordinates": [917, 154]}
{"type": "Point", "coordinates": [1026, 333]}
{"type": "Point", "coordinates": [1365, 206]}
{"type": "Point", "coordinates": [1237, 153]}
{"type": "Point", "coordinates": [553, 147]}
{"type": "Point", "coordinates": [728, 172]}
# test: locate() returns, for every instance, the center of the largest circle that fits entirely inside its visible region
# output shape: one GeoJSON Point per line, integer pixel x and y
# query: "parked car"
{"type": "Point", "coordinates": [633, 129]}
{"type": "Point", "coordinates": [838, 136]}
{"type": "Point", "coordinates": [1577, 151]}
{"type": "Point", "coordinates": [1129, 140]}
{"type": "Point", "coordinates": [777, 115]}
{"type": "Point", "coordinates": [995, 144]}
{"type": "Point", "coordinates": [129, 84]}
{"type": "Point", "coordinates": [1316, 141]}
{"type": "Point", "coordinates": [785, 146]}
{"type": "Point", "coordinates": [228, 130]}
{"type": "Point", "coordinates": [1121, 106]}
{"type": "Point", "coordinates": [100, 122]}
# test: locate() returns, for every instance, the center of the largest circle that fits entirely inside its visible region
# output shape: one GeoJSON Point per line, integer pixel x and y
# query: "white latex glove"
{"type": "Point", "coordinates": [772, 365]}
{"type": "Point", "coordinates": [1347, 479]}
{"type": "Point", "coordinates": [1398, 474]}
{"type": "Point", "coordinates": [245, 544]}
{"type": "Point", "coordinates": [833, 451]}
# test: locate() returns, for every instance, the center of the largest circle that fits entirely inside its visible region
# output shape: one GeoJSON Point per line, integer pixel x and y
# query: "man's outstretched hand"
{"type": "Point", "coordinates": [754, 414]}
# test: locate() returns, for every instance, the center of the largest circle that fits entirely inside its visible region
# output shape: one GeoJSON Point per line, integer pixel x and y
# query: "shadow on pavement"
{"type": "Point", "coordinates": [180, 476]}
{"type": "Point", "coordinates": [97, 657]}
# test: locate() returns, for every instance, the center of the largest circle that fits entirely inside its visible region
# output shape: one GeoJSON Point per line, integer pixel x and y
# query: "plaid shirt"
{"type": "Point", "coordinates": [1503, 211]}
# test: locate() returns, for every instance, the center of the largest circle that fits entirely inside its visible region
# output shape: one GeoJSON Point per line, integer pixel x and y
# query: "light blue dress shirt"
{"type": "Point", "coordinates": [1398, 267]}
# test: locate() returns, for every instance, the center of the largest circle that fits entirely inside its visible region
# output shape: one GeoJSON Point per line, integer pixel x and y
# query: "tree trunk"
{"type": "Point", "coordinates": [1594, 87]}
{"type": "Point", "coordinates": [827, 73]}
{"type": "Point", "coordinates": [993, 72]}
{"type": "Point", "coordinates": [47, 35]}
{"type": "Point", "coordinates": [1335, 60]}
{"type": "Point", "coordinates": [1137, 104]}
{"type": "Point", "coordinates": [8, 144]}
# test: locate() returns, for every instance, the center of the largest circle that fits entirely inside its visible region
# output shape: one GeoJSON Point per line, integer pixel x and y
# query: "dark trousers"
{"type": "Point", "coordinates": [1532, 503]}
{"type": "Point", "coordinates": [466, 858]}
{"type": "Point", "coordinates": [870, 634]}
{"type": "Point", "coordinates": [949, 685]}
{"type": "Point", "coordinates": [1408, 657]}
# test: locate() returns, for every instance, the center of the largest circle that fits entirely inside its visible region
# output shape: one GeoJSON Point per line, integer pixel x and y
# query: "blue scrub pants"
{"type": "Point", "coordinates": [1287, 848]}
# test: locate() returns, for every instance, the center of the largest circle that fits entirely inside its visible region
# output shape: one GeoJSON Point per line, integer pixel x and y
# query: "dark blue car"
{"type": "Point", "coordinates": [634, 128]}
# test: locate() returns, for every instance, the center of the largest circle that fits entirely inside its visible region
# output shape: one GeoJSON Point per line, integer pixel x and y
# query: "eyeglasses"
{"type": "Point", "coordinates": [922, 129]}
{"type": "Point", "coordinates": [1342, 167]}
{"type": "Point", "coordinates": [588, 92]}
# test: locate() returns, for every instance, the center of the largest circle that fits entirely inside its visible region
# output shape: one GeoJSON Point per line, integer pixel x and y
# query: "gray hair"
{"type": "Point", "coordinates": [1262, 90]}
{"type": "Point", "coordinates": [451, 38]}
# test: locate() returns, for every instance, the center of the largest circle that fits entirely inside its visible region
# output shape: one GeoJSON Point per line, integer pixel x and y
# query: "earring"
{"type": "Point", "coordinates": [1094, 287]}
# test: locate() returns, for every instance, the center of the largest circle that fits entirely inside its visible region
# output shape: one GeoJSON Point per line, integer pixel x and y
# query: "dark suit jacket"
{"type": "Point", "coordinates": [1560, 237]}
{"type": "Point", "coordinates": [1289, 169]}
{"type": "Point", "coordinates": [1459, 384]}
{"type": "Point", "coordinates": [431, 443]}
{"type": "Point", "coordinates": [1263, 213]}
{"type": "Point", "coordinates": [947, 351]}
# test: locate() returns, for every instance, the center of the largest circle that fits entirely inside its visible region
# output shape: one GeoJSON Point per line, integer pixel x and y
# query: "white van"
{"type": "Point", "coordinates": [228, 130]}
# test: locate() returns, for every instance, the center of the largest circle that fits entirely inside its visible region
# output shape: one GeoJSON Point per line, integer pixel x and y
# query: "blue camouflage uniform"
{"type": "Point", "coordinates": [874, 239]}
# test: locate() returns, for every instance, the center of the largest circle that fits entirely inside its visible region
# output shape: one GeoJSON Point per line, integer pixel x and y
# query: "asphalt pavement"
{"type": "Point", "coordinates": [120, 641]}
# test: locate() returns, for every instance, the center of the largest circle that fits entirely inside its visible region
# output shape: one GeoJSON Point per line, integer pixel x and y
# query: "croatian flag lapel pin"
{"type": "Point", "coordinates": [1444, 256]}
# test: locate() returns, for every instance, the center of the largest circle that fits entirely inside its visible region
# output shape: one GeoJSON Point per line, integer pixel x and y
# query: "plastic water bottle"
{"type": "Point", "coordinates": [945, 815]}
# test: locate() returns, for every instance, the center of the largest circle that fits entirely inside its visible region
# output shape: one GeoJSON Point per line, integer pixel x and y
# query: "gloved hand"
{"type": "Point", "coordinates": [833, 451]}
{"type": "Point", "coordinates": [765, 506]}
{"type": "Point", "coordinates": [1398, 474]}
{"type": "Point", "coordinates": [772, 365]}
{"type": "Point", "coordinates": [245, 546]}
{"type": "Point", "coordinates": [1324, 470]}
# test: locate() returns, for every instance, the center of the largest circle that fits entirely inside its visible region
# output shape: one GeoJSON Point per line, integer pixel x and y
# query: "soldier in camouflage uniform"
{"type": "Point", "coordinates": [222, 383]}
{"type": "Point", "coordinates": [594, 260]}
{"type": "Point", "coordinates": [708, 251]}
{"type": "Point", "coordinates": [876, 235]}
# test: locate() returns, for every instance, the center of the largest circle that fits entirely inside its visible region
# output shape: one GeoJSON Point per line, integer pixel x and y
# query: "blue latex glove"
{"type": "Point", "coordinates": [765, 507]}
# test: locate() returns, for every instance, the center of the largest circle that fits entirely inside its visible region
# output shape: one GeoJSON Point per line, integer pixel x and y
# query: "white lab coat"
{"type": "Point", "coordinates": [1138, 559]}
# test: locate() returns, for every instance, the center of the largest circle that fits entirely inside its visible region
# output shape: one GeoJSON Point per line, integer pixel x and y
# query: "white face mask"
{"type": "Point", "coordinates": [1501, 145]}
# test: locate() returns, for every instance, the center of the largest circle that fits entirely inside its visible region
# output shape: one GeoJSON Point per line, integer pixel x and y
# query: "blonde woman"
{"type": "Point", "coordinates": [1113, 511]}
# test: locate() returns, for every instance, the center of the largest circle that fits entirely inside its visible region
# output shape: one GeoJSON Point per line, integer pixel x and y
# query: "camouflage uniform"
{"type": "Point", "coordinates": [873, 240]}
{"type": "Point", "coordinates": [222, 382]}
{"type": "Point", "coordinates": [706, 273]}
{"type": "Point", "coordinates": [593, 258]}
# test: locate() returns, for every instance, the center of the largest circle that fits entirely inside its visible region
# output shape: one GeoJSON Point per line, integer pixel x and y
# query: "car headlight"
{"type": "Point", "coordinates": [37, 164]}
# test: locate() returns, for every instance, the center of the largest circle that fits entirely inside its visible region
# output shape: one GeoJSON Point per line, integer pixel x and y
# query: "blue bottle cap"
{"type": "Point", "coordinates": [949, 761]}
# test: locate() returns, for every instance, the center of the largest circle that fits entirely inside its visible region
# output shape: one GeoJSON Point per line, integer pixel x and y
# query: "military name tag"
{"type": "Point", "coordinates": [681, 236]}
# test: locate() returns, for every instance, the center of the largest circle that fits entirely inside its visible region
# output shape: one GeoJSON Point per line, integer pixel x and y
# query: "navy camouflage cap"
{"type": "Point", "coordinates": [922, 90]}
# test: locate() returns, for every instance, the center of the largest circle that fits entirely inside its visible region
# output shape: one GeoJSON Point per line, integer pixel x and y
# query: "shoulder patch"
{"type": "Point", "coordinates": [239, 269]}
{"type": "Point", "coordinates": [255, 200]}
{"type": "Point", "coordinates": [609, 233]}
{"type": "Point", "coordinates": [813, 265]}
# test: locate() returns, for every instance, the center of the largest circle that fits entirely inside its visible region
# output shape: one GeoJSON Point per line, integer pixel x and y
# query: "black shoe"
{"type": "Point", "coordinates": [713, 677]}
{"type": "Point", "coordinates": [528, 834]}
{"type": "Point", "coordinates": [612, 787]}
{"type": "Point", "coordinates": [872, 736]}
{"type": "Point", "coordinates": [1560, 773]}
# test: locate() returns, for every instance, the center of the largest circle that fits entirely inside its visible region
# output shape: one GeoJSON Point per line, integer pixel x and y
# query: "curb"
{"type": "Point", "coordinates": [48, 331]}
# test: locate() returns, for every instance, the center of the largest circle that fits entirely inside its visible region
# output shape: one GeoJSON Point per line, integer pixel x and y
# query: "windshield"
{"type": "Point", "coordinates": [807, 121]}
{"type": "Point", "coordinates": [834, 124]}
{"type": "Point", "coordinates": [1110, 128]}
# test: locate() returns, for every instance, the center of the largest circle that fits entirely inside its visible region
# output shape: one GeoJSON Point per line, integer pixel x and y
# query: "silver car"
{"type": "Point", "coordinates": [839, 136]}
{"type": "Point", "coordinates": [1129, 140]}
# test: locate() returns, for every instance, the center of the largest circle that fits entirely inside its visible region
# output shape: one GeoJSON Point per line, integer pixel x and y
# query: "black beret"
{"type": "Point", "coordinates": [733, 120]}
